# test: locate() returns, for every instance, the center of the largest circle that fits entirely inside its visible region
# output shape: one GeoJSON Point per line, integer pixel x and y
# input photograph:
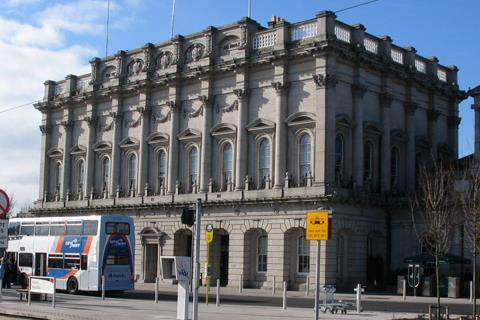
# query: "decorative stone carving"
{"type": "Point", "coordinates": [358, 90]}
{"type": "Point", "coordinates": [386, 99]}
{"type": "Point", "coordinates": [195, 113]}
{"type": "Point", "coordinates": [410, 107]}
{"type": "Point", "coordinates": [279, 86]}
{"type": "Point", "coordinates": [45, 129]}
{"type": "Point", "coordinates": [130, 123]}
{"type": "Point", "coordinates": [453, 121]}
{"type": "Point", "coordinates": [243, 40]}
{"type": "Point", "coordinates": [91, 121]}
{"type": "Point", "coordinates": [195, 52]}
{"type": "Point", "coordinates": [323, 81]}
{"type": "Point", "coordinates": [432, 115]}
{"type": "Point", "coordinates": [240, 93]}
{"type": "Point", "coordinates": [106, 127]}
{"type": "Point", "coordinates": [135, 67]}
{"type": "Point", "coordinates": [230, 44]}
{"type": "Point", "coordinates": [164, 60]}
{"type": "Point", "coordinates": [228, 108]}
{"type": "Point", "coordinates": [67, 125]}
{"type": "Point", "coordinates": [162, 119]}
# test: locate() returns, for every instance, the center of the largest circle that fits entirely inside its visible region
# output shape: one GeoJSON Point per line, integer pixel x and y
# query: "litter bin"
{"type": "Point", "coordinates": [453, 287]}
{"type": "Point", "coordinates": [400, 284]}
{"type": "Point", "coordinates": [427, 286]}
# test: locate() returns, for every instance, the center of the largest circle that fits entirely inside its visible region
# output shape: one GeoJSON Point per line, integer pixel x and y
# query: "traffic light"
{"type": "Point", "coordinates": [188, 216]}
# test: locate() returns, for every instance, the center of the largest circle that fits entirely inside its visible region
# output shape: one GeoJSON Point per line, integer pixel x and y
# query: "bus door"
{"type": "Point", "coordinates": [40, 264]}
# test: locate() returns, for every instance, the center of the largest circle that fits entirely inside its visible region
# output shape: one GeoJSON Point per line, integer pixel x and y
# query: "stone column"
{"type": "Point", "coordinates": [67, 142]}
{"type": "Point", "coordinates": [242, 139]}
{"type": "Point", "coordinates": [410, 108]}
{"type": "Point", "coordinates": [453, 123]}
{"type": "Point", "coordinates": [385, 102]}
{"type": "Point", "coordinates": [432, 116]}
{"type": "Point", "coordinates": [280, 134]}
{"type": "Point", "coordinates": [173, 164]}
{"type": "Point", "coordinates": [144, 110]}
{"type": "Point", "coordinates": [44, 160]}
{"type": "Point", "coordinates": [358, 91]}
{"type": "Point", "coordinates": [115, 169]}
{"type": "Point", "coordinates": [90, 156]}
{"type": "Point", "coordinates": [206, 149]}
{"type": "Point", "coordinates": [475, 94]}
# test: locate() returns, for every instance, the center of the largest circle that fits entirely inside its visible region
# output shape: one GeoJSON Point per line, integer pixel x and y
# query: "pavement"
{"type": "Point", "coordinates": [135, 306]}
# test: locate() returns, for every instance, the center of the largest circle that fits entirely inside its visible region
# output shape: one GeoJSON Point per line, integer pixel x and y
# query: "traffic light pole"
{"type": "Point", "coordinates": [196, 263]}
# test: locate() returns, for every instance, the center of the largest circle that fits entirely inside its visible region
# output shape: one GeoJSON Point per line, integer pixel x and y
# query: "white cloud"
{"type": "Point", "coordinates": [32, 52]}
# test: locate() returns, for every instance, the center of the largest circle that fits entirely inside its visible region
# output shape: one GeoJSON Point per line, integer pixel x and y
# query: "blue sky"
{"type": "Point", "coordinates": [46, 39]}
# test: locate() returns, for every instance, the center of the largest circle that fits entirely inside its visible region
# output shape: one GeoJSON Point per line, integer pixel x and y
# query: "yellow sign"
{"type": "Point", "coordinates": [209, 233]}
{"type": "Point", "coordinates": [317, 225]}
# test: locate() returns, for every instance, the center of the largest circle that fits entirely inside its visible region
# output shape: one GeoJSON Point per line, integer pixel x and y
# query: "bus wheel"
{"type": "Point", "coordinates": [72, 285]}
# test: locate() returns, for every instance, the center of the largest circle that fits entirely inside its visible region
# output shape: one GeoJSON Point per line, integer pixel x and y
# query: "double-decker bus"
{"type": "Point", "coordinates": [77, 251]}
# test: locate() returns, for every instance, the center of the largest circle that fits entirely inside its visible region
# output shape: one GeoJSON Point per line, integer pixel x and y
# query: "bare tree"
{"type": "Point", "coordinates": [469, 195]}
{"type": "Point", "coordinates": [434, 204]}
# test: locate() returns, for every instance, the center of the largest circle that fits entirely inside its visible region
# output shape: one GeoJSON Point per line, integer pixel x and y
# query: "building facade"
{"type": "Point", "coordinates": [263, 124]}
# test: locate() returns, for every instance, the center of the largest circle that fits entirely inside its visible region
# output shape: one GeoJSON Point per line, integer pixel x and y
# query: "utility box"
{"type": "Point", "coordinates": [453, 287]}
{"type": "Point", "coordinates": [178, 268]}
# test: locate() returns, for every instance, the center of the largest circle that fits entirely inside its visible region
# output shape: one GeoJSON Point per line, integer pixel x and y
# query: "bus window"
{"type": "Point", "coordinates": [41, 229]}
{"type": "Point", "coordinates": [13, 228]}
{"type": "Point", "coordinates": [84, 262]}
{"type": "Point", "coordinates": [123, 228]}
{"type": "Point", "coordinates": [74, 228]}
{"type": "Point", "coordinates": [90, 227]}
{"type": "Point", "coordinates": [55, 261]}
{"type": "Point", "coordinates": [111, 228]}
{"type": "Point", "coordinates": [71, 262]}
{"type": "Point", "coordinates": [26, 229]}
{"type": "Point", "coordinates": [57, 229]}
{"type": "Point", "coordinates": [25, 260]}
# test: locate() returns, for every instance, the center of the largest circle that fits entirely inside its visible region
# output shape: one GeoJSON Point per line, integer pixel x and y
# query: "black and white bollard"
{"type": "Point", "coordinates": [217, 302]}
{"type": "Point", "coordinates": [471, 291]}
{"type": "Point", "coordinates": [284, 295]}
{"type": "Point", "coordinates": [404, 289]}
{"type": "Point", "coordinates": [358, 299]}
{"type": "Point", "coordinates": [156, 289]}
{"type": "Point", "coordinates": [307, 286]}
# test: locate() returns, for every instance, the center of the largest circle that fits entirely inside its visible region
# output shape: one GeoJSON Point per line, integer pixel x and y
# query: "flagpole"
{"type": "Point", "coordinates": [173, 19]}
{"type": "Point", "coordinates": [108, 21]}
{"type": "Point", "coordinates": [249, 8]}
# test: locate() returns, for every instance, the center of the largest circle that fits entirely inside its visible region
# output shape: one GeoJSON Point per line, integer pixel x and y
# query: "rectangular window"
{"type": "Point", "coordinates": [84, 262]}
{"type": "Point", "coordinates": [118, 227]}
{"type": "Point", "coordinates": [111, 228]}
{"type": "Point", "coordinates": [74, 228]}
{"type": "Point", "coordinates": [13, 228]}
{"type": "Point", "coordinates": [303, 255]}
{"type": "Point", "coordinates": [27, 229]}
{"type": "Point", "coordinates": [123, 228]}
{"type": "Point", "coordinates": [25, 260]}
{"type": "Point", "coordinates": [262, 254]}
{"type": "Point", "coordinates": [41, 228]}
{"type": "Point", "coordinates": [57, 229]}
{"type": "Point", "coordinates": [71, 262]}
{"type": "Point", "coordinates": [55, 261]}
{"type": "Point", "coordinates": [90, 227]}
{"type": "Point", "coordinates": [117, 260]}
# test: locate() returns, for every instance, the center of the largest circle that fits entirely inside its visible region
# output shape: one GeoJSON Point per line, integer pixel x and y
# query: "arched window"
{"type": "Point", "coordinates": [305, 152]}
{"type": "Point", "coordinates": [105, 173]}
{"type": "Point", "coordinates": [303, 255]}
{"type": "Point", "coordinates": [262, 246]}
{"type": "Point", "coordinates": [81, 175]}
{"type": "Point", "coordinates": [192, 168]}
{"type": "Point", "coordinates": [339, 157]}
{"type": "Point", "coordinates": [132, 172]}
{"type": "Point", "coordinates": [368, 161]}
{"type": "Point", "coordinates": [58, 176]}
{"type": "Point", "coordinates": [263, 162]}
{"type": "Point", "coordinates": [162, 169]}
{"type": "Point", "coordinates": [227, 165]}
{"type": "Point", "coordinates": [394, 168]}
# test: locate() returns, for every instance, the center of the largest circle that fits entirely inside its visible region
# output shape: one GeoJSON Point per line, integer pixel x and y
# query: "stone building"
{"type": "Point", "coordinates": [263, 124]}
